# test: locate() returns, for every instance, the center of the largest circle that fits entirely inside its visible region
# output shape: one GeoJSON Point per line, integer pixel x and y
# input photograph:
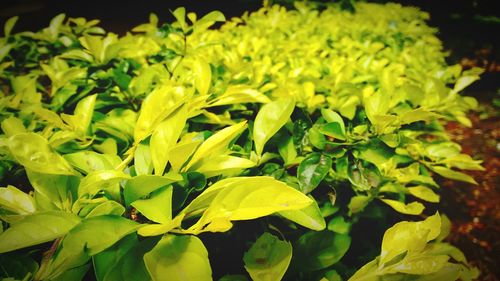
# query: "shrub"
{"type": "Point", "coordinates": [127, 153]}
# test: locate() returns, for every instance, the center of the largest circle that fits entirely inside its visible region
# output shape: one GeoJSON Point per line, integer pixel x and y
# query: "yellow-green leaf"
{"type": "Point", "coordinates": [216, 144]}
{"type": "Point", "coordinates": [424, 193]}
{"type": "Point", "coordinates": [413, 208]}
{"type": "Point", "coordinates": [179, 258]}
{"type": "Point", "coordinates": [270, 118]}
{"type": "Point", "coordinates": [268, 258]}
{"type": "Point", "coordinates": [164, 137]}
{"type": "Point", "coordinates": [33, 152]}
{"type": "Point", "coordinates": [247, 199]}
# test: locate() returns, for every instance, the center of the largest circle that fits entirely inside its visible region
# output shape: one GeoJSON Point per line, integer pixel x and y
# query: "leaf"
{"type": "Point", "coordinates": [333, 117]}
{"type": "Point", "coordinates": [33, 152]}
{"type": "Point", "coordinates": [9, 25]}
{"type": "Point", "coordinates": [59, 189]}
{"type": "Point", "coordinates": [333, 130]}
{"type": "Point", "coordinates": [180, 258]}
{"type": "Point", "coordinates": [244, 198]}
{"type": "Point", "coordinates": [165, 136]}
{"type": "Point", "coordinates": [237, 94]}
{"type": "Point", "coordinates": [312, 170]}
{"type": "Point", "coordinates": [424, 193]}
{"type": "Point", "coordinates": [157, 106]}
{"type": "Point", "coordinates": [339, 225]}
{"type": "Point", "coordinates": [287, 150]}
{"type": "Point", "coordinates": [270, 118]}
{"type": "Point", "coordinates": [80, 120]}
{"type": "Point", "coordinates": [108, 207]}
{"type": "Point", "coordinates": [36, 229]}
{"type": "Point", "coordinates": [90, 161]}
{"type": "Point", "coordinates": [97, 234]}
{"type": "Point", "coordinates": [180, 153]}
{"type": "Point", "coordinates": [216, 144]}
{"type": "Point", "coordinates": [106, 180]}
{"type": "Point", "coordinates": [268, 258]}
{"type": "Point", "coordinates": [203, 76]}
{"type": "Point", "coordinates": [318, 250]}
{"type": "Point", "coordinates": [358, 203]}
{"type": "Point", "coordinates": [309, 216]}
{"type": "Point", "coordinates": [13, 126]}
{"type": "Point", "coordinates": [140, 186]}
{"type": "Point", "coordinates": [464, 81]}
{"type": "Point", "coordinates": [180, 16]}
{"type": "Point", "coordinates": [124, 260]}
{"type": "Point", "coordinates": [222, 164]}
{"type": "Point", "coordinates": [422, 265]}
{"type": "Point", "coordinates": [409, 237]}
{"type": "Point", "coordinates": [143, 164]}
{"type": "Point", "coordinates": [107, 259]}
{"type": "Point", "coordinates": [413, 208]}
{"type": "Point", "coordinates": [14, 200]}
{"type": "Point", "coordinates": [92, 236]}
{"type": "Point", "coordinates": [454, 175]}
{"type": "Point", "coordinates": [158, 207]}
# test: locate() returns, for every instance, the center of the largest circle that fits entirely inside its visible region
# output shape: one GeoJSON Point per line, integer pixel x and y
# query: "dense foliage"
{"type": "Point", "coordinates": [131, 155]}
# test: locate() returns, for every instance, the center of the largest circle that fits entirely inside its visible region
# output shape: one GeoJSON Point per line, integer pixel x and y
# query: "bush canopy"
{"type": "Point", "coordinates": [132, 154]}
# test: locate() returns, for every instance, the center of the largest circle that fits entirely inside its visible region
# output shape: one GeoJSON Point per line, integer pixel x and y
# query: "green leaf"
{"type": "Point", "coordinates": [421, 265]}
{"type": "Point", "coordinates": [268, 258]}
{"type": "Point", "coordinates": [270, 118]}
{"type": "Point", "coordinates": [90, 161]}
{"type": "Point", "coordinates": [413, 208]}
{"type": "Point", "coordinates": [106, 180]}
{"type": "Point", "coordinates": [243, 198]}
{"type": "Point", "coordinates": [108, 207]}
{"type": "Point", "coordinates": [454, 175]}
{"type": "Point", "coordinates": [59, 189]}
{"type": "Point", "coordinates": [203, 76]}
{"type": "Point", "coordinates": [180, 258]}
{"type": "Point", "coordinates": [409, 237]}
{"type": "Point", "coordinates": [80, 120]}
{"type": "Point", "coordinates": [358, 203]}
{"type": "Point", "coordinates": [124, 260]}
{"type": "Point", "coordinates": [287, 150]}
{"type": "Point", "coordinates": [222, 164]}
{"type": "Point", "coordinates": [237, 94]}
{"type": "Point", "coordinates": [180, 153]}
{"type": "Point", "coordinates": [13, 126]}
{"type": "Point", "coordinates": [158, 207]}
{"type": "Point", "coordinates": [157, 106]}
{"type": "Point", "coordinates": [333, 117]}
{"type": "Point", "coordinates": [318, 250]}
{"type": "Point", "coordinates": [339, 225]}
{"type": "Point", "coordinates": [96, 234]}
{"type": "Point", "coordinates": [165, 136]}
{"type": "Point", "coordinates": [143, 164]}
{"type": "Point", "coordinates": [14, 200]}
{"type": "Point", "coordinates": [36, 229]}
{"type": "Point", "coordinates": [9, 25]}
{"type": "Point", "coordinates": [180, 16]}
{"type": "Point", "coordinates": [140, 186]}
{"type": "Point", "coordinates": [309, 216]}
{"type": "Point", "coordinates": [424, 193]}
{"type": "Point", "coordinates": [216, 144]}
{"type": "Point", "coordinates": [33, 152]}
{"type": "Point", "coordinates": [312, 170]}
{"type": "Point", "coordinates": [333, 130]}
{"type": "Point", "coordinates": [92, 236]}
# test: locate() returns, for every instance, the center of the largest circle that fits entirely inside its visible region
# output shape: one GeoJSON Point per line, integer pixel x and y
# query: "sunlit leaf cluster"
{"type": "Point", "coordinates": [141, 156]}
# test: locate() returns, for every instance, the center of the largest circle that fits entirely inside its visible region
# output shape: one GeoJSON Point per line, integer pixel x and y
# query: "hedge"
{"type": "Point", "coordinates": [281, 144]}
